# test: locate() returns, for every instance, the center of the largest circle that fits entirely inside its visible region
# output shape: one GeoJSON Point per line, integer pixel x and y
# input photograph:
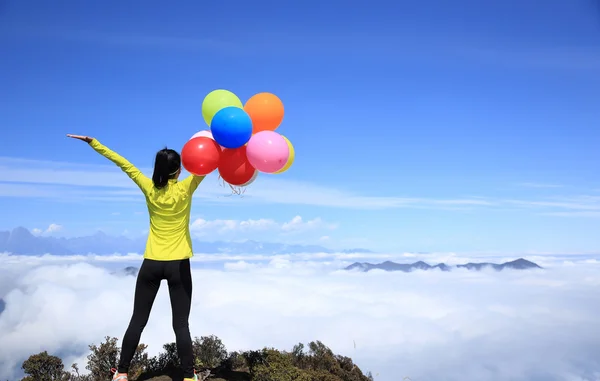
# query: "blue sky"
{"type": "Point", "coordinates": [418, 126]}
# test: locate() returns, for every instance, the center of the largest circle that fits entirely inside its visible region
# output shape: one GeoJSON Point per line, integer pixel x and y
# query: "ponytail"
{"type": "Point", "coordinates": [166, 166]}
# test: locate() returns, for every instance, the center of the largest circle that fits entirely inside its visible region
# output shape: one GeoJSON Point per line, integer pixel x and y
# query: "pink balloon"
{"type": "Point", "coordinates": [204, 134]}
{"type": "Point", "coordinates": [267, 151]}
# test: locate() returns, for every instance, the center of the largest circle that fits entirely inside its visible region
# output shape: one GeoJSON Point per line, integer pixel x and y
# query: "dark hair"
{"type": "Point", "coordinates": [166, 165]}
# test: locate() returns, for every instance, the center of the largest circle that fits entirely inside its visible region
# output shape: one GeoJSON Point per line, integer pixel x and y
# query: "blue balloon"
{"type": "Point", "coordinates": [231, 127]}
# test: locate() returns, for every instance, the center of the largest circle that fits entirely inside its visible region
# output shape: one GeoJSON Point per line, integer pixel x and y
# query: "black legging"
{"type": "Point", "coordinates": [179, 277]}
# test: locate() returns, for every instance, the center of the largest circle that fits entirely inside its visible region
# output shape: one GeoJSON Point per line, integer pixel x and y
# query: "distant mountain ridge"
{"type": "Point", "coordinates": [21, 241]}
{"type": "Point", "coordinates": [518, 264]}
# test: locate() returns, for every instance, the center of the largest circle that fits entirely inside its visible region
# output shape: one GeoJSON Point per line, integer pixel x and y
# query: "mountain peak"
{"type": "Point", "coordinates": [20, 230]}
{"type": "Point", "coordinates": [522, 263]}
{"type": "Point", "coordinates": [519, 264]}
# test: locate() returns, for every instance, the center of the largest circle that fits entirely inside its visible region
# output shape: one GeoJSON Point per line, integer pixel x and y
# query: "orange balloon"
{"type": "Point", "coordinates": [266, 112]}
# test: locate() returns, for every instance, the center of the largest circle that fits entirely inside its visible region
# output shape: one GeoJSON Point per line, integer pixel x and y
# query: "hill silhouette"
{"type": "Point", "coordinates": [21, 241]}
{"type": "Point", "coordinates": [519, 264]}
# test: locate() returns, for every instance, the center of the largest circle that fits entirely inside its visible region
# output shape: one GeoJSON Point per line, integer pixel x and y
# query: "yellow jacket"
{"type": "Point", "coordinates": [169, 208]}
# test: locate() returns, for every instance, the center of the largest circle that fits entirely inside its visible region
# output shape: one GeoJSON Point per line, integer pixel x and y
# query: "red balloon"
{"type": "Point", "coordinates": [234, 166]}
{"type": "Point", "coordinates": [200, 156]}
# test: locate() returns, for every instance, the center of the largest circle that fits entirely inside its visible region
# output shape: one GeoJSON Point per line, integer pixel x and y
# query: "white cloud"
{"type": "Point", "coordinates": [438, 47]}
{"type": "Point", "coordinates": [336, 260]}
{"type": "Point", "coordinates": [572, 204]}
{"type": "Point", "coordinates": [68, 182]}
{"type": "Point", "coordinates": [539, 325]}
{"type": "Point", "coordinates": [585, 213]}
{"type": "Point", "coordinates": [137, 40]}
{"type": "Point", "coordinates": [53, 228]}
{"type": "Point", "coordinates": [540, 185]}
{"type": "Point", "coordinates": [74, 181]}
{"type": "Point", "coordinates": [298, 224]}
{"type": "Point", "coordinates": [202, 227]}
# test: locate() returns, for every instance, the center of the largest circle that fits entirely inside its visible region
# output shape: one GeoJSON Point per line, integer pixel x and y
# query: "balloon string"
{"type": "Point", "coordinates": [235, 190]}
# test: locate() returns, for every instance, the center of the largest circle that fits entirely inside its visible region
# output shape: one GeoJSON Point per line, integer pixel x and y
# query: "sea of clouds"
{"type": "Point", "coordinates": [427, 325]}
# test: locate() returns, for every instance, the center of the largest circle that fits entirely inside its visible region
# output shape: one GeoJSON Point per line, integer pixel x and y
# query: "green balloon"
{"type": "Point", "coordinates": [217, 100]}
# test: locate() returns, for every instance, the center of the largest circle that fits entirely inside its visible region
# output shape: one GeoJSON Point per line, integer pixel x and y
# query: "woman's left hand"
{"type": "Point", "coordinates": [86, 139]}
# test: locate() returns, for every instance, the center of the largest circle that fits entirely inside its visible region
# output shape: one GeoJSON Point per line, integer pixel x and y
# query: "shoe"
{"type": "Point", "coordinates": [192, 379]}
{"type": "Point", "coordinates": [116, 376]}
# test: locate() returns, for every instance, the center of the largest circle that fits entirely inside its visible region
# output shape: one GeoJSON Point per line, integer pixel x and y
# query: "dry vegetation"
{"type": "Point", "coordinates": [212, 361]}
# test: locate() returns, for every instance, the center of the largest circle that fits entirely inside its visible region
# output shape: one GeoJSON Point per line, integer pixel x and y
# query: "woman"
{"type": "Point", "coordinates": [167, 254]}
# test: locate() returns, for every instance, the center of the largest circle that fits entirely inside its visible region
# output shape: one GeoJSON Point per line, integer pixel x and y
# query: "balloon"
{"type": "Point", "coordinates": [200, 156]}
{"type": "Point", "coordinates": [203, 133]}
{"type": "Point", "coordinates": [231, 127]}
{"type": "Point", "coordinates": [267, 151]}
{"type": "Point", "coordinates": [251, 180]}
{"type": "Point", "coordinates": [217, 100]}
{"type": "Point", "coordinates": [266, 112]}
{"type": "Point", "coordinates": [291, 158]}
{"type": "Point", "coordinates": [234, 166]}
{"type": "Point", "coordinates": [206, 134]}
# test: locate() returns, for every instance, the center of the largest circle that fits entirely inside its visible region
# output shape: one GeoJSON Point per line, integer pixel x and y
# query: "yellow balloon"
{"type": "Point", "coordinates": [290, 160]}
{"type": "Point", "coordinates": [217, 100]}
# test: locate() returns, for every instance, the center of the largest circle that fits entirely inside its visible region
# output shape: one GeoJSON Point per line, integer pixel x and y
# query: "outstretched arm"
{"type": "Point", "coordinates": [135, 174]}
{"type": "Point", "coordinates": [191, 183]}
